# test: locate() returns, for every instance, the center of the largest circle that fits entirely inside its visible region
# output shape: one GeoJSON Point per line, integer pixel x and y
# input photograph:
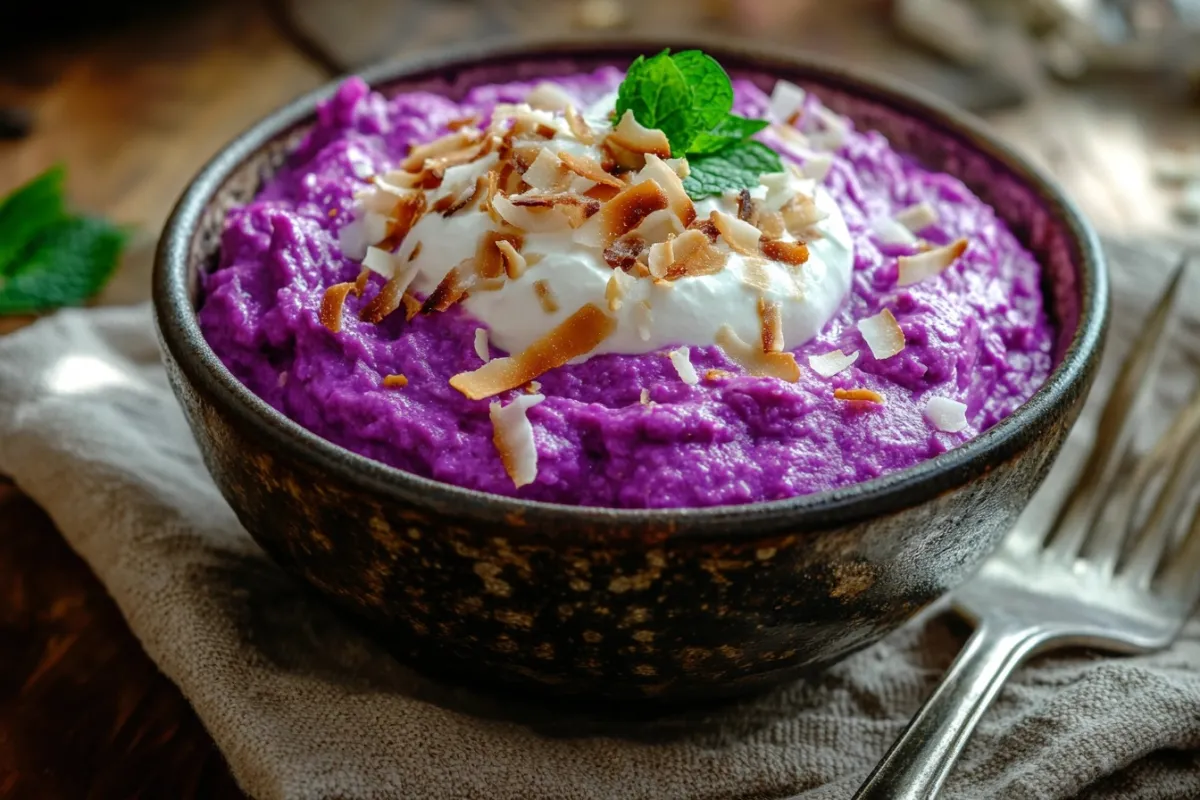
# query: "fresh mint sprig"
{"type": "Point", "coordinates": [689, 97]}
{"type": "Point", "coordinates": [48, 257]}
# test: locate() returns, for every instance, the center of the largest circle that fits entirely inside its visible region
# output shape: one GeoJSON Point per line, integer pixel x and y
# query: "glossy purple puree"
{"type": "Point", "coordinates": [977, 333]}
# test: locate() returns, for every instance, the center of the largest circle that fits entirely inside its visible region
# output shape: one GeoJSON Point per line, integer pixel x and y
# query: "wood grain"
{"type": "Point", "coordinates": [135, 109]}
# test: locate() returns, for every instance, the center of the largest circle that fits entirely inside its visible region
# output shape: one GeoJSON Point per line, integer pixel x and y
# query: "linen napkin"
{"type": "Point", "coordinates": [303, 706]}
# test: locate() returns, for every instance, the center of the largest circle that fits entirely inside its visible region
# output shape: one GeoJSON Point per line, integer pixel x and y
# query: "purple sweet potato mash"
{"type": "Point", "coordinates": [977, 333]}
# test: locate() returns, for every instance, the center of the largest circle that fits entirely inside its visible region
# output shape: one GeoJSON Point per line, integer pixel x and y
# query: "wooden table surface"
{"type": "Point", "coordinates": [134, 111]}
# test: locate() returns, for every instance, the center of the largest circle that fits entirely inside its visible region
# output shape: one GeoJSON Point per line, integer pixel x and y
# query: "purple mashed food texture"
{"type": "Point", "coordinates": [977, 333]}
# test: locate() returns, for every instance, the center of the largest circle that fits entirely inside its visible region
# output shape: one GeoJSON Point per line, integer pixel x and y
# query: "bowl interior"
{"type": "Point", "coordinates": [939, 137]}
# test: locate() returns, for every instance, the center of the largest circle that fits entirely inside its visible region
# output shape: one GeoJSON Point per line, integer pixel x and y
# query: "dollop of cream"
{"type": "Point", "coordinates": [650, 315]}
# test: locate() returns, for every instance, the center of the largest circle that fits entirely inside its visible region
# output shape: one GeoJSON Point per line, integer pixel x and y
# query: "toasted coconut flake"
{"type": "Point", "coordinates": [616, 288]}
{"type": "Point", "coordinates": [545, 296]}
{"type": "Point", "coordinates": [439, 148]}
{"type": "Point", "coordinates": [680, 165]}
{"type": "Point", "coordinates": [408, 210]}
{"type": "Point", "coordinates": [714, 375]}
{"type": "Point", "coordinates": [889, 231]}
{"type": "Point", "coordinates": [756, 362]}
{"type": "Point", "coordinates": [801, 214]}
{"type": "Point", "coordinates": [548, 96]}
{"type": "Point", "coordinates": [412, 306]}
{"type": "Point", "coordinates": [511, 181]}
{"type": "Point", "coordinates": [946, 414]}
{"type": "Point", "coordinates": [914, 269]}
{"type": "Point", "coordinates": [771, 225]}
{"type": "Point", "coordinates": [332, 305]}
{"type": "Point", "coordinates": [786, 99]}
{"type": "Point", "coordinates": [576, 208]}
{"type": "Point", "coordinates": [589, 168]}
{"type": "Point", "coordinates": [754, 273]}
{"type": "Point", "coordinates": [622, 254]}
{"type": "Point", "coordinates": [464, 122]}
{"type": "Point", "coordinates": [829, 364]}
{"type": "Point", "coordinates": [535, 219]}
{"type": "Point", "coordinates": [355, 236]}
{"type": "Point", "coordinates": [644, 396]}
{"type": "Point", "coordinates": [643, 317]}
{"type": "Point", "coordinates": [513, 438]}
{"type": "Point", "coordinates": [397, 181]}
{"type": "Point", "coordinates": [817, 166]}
{"type": "Point", "coordinates": [661, 258]}
{"type": "Point", "coordinates": [633, 136]}
{"type": "Point", "coordinates": [575, 336]}
{"type": "Point", "coordinates": [794, 253]}
{"type": "Point", "coordinates": [514, 263]}
{"type": "Point", "coordinates": [452, 287]}
{"type": "Point", "coordinates": [389, 297]}
{"type": "Point", "coordinates": [741, 236]}
{"type": "Point", "coordinates": [681, 359]}
{"type": "Point", "coordinates": [602, 193]}
{"type": "Point", "coordinates": [678, 201]}
{"type": "Point", "coordinates": [622, 214]}
{"type": "Point", "coordinates": [491, 190]}
{"type": "Point", "coordinates": [547, 173]}
{"type": "Point", "coordinates": [395, 381]}
{"type": "Point", "coordinates": [835, 129]}
{"type": "Point", "coordinates": [466, 197]}
{"type": "Point", "coordinates": [481, 345]}
{"type": "Point", "coordinates": [748, 209]}
{"type": "Point", "coordinates": [882, 334]}
{"type": "Point", "coordinates": [658, 226]}
{"type": "Point", "coordinates": [790, 136]}
{"type": "Point", "coordinates": [703, 260]}
{"type": "Point", "coordinates": [360, 283]}
{"type": "Point", "coordinates": [579, 127]}
{"type": "Point", "coordinates": [858, 395]}
{"type": "Point", "coordinates": [772, 325]}
{"type": "Point", "coordinates": [381, 262]}
{"type": "Point", "coordinates": [779, 191]}
{"type": "Point", "coordinates": [533, 387]}
{"type": "Point", "coordinates": [917, 217]}
{"type": "Point", "coordinates": [489, 258]}
{"type": "Point", "coordinates": [444, 202]}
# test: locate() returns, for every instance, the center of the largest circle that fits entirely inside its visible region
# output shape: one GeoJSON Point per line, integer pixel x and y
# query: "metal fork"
{"type": "Point", "coordinates": [1108, 574]}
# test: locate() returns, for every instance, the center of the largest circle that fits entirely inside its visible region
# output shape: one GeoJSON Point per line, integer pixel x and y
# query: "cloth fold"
{"type": "Point", "coordinates": [304, 706]}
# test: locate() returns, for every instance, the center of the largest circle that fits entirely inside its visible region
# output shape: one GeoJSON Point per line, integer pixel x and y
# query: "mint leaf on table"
{"type": "Point", "coordinates": [689, 97]}
{"type": "Point", "coordinates": [48, 257]}
{"type": "Point", "coordinates": [736, 167]}
{"type": "Point", "coordinates": [26, 212]}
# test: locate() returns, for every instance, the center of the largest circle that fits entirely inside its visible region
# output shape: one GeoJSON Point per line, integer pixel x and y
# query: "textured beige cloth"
{"type": "Point", "coordinates": [304, 707]}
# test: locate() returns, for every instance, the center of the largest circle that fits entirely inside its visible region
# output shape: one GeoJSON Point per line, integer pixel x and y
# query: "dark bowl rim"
{"type": "Point", "coordinates": [179, 331]}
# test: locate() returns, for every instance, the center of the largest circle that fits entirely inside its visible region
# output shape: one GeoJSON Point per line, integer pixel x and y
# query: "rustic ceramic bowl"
{"type": "Point", "coordinates": [677, 604]}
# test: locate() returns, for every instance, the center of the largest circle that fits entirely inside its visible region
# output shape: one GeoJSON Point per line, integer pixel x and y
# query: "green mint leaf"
{"type": "Point", "coordinates": [65, 265]}
{"type": "Point", "coordinates": [659, 96]}
{"type": "Point", "coordinates": [27, 212]}
{"type": "Point", "coordinates": [729, 131]}
{"type": "Point", "coordinates": [736, 167]}
{"type": "Point", "coordinates": [712, 91]}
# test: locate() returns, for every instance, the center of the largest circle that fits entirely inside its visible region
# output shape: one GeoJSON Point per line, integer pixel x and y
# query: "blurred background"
{"type": "Point", "coordinates": [133, 96]}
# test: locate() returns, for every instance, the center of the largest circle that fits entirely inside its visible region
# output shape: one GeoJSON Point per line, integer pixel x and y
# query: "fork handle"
{"type": "Point", "coordinates": [917, 764]}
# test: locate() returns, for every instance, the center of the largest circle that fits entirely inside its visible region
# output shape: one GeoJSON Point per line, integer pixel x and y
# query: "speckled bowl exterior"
{"type": "Point", "coordinates": [675, 605]}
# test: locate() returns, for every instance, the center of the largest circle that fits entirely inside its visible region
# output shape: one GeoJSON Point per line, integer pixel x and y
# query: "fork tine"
{"type": "Point", "coordinates": [1179, 577]}
{"type": "Point", "coordinates": [1179, 447]}
{"type": "Point", "coordinates": [1117, 425]}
